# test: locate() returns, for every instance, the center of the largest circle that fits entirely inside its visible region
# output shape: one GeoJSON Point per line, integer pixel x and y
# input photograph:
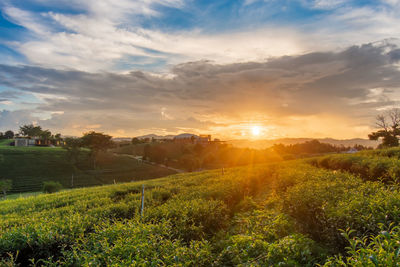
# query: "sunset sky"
{"type": "Point", "coordinates": [300, 68]}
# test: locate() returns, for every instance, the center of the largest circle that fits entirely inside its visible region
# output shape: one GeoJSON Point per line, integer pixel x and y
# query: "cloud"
{"type": "Point", "coordinates": [288, 92]}
{"type": "Point", "coordinates": [91, 44]}
{"type": "Point", "coordinates": [116, 36]}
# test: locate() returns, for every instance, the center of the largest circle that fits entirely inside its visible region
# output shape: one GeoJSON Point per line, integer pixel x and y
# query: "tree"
{"type": "Point", "coordinates": [46, 135]}
{"type": "Point", "coordinates": [73, 147]}
{"type": "Point", "coordinates": [389, 128]}
{"type": "Point", "coordinates": [96, 142]}
{"type": "Point", "coordinates": [30, 130]}
{"type": "Point", "coordinates": [9, 134]}
{"type": "Point", "coordinates": [136, 141]}
{"type": "Point", "coordinates": [5, 185]}
{"type": "Point", "coordinates": [146, 152]}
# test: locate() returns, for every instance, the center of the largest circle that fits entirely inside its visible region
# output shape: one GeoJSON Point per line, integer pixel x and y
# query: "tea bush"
{"type": "Point", "coordinates": [369, 168]}
{"type": "Point", "coordinates": [375, 250]}
{"type": "Point", "coordinates": [285, 214]}
{"type": "Point", "coordinates": [51, 187]}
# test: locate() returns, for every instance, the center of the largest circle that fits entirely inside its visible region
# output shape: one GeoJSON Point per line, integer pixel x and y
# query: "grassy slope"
{"type": "Point", "coordinates": [28, 167]}
{"type": "Point", "coordinates": [286, 214]}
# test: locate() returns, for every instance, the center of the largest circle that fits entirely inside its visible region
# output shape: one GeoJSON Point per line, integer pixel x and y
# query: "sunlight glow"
{"type": "Point", "coordinates": [256, 130]}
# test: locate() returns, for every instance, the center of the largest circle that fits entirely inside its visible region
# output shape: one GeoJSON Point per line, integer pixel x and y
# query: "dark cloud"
{"type": "Point", "coordinates": [340, 83]}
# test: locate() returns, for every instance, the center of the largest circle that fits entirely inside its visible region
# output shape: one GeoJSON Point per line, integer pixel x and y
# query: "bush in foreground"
{"type": "Point", "coordinates": [51, 187]}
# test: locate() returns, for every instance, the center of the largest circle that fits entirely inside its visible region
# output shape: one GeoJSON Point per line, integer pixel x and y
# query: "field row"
{"type": "Point", "coordinates": [371, 168]}
{"type": "Point", "coordinates": [29, 167]}
{"type": "Point", "coordinates": [259, 215]}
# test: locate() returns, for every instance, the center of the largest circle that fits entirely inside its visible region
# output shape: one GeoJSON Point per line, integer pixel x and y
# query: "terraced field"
{"type": "Point", "coordinates": [29, 167]}
{"type": "Point", "coordinates": [283, 214]}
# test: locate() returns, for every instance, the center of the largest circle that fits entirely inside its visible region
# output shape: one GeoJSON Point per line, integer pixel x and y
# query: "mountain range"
{"type": "Point", "coordinates": [265, 143]}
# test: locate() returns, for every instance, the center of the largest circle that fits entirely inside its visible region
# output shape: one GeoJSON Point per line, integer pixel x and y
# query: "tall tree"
{"type": "Point", "coordinates": [97, 142]}
{"type": "Point", "coordinates": [46, 134]}
{"type": "Point", "coordinates": [9, 134]}
{"type": "Point", "coordinates": [389, 130]}
{"type": "Point", "coordinates": [30, 130]}
{"type": "Point", "coordinates": [5, 185]}
{"type": "Point", "coordinates": [73, 147]}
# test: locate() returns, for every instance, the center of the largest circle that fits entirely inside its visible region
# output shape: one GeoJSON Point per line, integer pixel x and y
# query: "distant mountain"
{"type": "Point", "coordinates": [122, 139]}
{"type": "Point", "coordinates": [185, 135]}
{"type": "Point", "coordinates": [261, 144]}
{"type": "Point", "coordinates": [156, 136]}
{"type": "Point", "coordinates": [151, 136]}
{"type": "Point", "coordinates": [265, 143]}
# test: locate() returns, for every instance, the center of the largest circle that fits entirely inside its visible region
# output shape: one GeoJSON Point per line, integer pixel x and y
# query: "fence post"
{"type": "Point", "coordinates": [142, 203]}
{"type": "Point", "coordinates": [72, 180]}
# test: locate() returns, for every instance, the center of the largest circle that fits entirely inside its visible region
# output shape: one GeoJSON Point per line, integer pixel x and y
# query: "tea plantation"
{"type": "Point", "coordinates": [323, 211]}
{"type": "Point", "coordinates": [29, 167]}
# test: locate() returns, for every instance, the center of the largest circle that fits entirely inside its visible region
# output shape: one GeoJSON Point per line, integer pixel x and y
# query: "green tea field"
{"type": "Point", "coordinates": [338, 210]}
{"type": "Point", "coordinates": [29, 167]}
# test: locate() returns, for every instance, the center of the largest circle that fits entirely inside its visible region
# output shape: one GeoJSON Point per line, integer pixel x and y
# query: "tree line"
{"type": "Point", "coordinates": [313, 147]}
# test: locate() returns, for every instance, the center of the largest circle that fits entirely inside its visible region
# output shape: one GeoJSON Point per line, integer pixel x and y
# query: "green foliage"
{"type": "Point", "coordinates": [369, 168]}
{"type": "Point", "coordinates": [29, 167]}
{"type": "Point", "coordinates": [382, 249]}
{"type": "Point", "coordinates": [308, 147]}
{"type": "Point", "coordinates": [5, 185]}
{"type": "Point", "coordinates": [283, 214]}
{"type": "Point", "coordinates": [51, 187]}
{"type": "Point", "coordinates": [96, 142]}
{"type": "Point", "coordinates": [30, 130]}
{"type": "Point", "coordinates": [192, 157]}
{"type": "Point", "coordinates": [293, 250]}
{"type": "Point", "coordinates": [389, 128]}
{"type": "Point", "coordinates": [9, 134]}
{"type": "Point", "coordinates": [388, 152]}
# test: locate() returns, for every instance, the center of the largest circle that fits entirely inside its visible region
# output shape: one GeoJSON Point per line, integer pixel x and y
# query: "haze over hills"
{"type": "Point", "coordinates": [265, 143]}
{"type": "Point", "coordinates": [290, 141]}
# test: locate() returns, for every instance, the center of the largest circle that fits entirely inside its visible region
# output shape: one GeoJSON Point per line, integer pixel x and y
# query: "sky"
{"type": "Point", "coordinates": [299, 68]}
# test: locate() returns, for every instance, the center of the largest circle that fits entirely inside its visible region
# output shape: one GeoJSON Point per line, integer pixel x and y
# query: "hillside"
{"type": "Point", "coordinates": [282, 214]}
{"type": "Point", "coordinates": [29, 167]}
{"type": "Point", "coordinates": [261, 144]}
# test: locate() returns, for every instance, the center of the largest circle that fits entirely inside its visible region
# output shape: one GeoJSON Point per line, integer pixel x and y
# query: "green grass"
{"type": "Point", "coordinates": [282, 214]}
{"type": "Point", "coordinates": [5, 142]}
{"type": "Point", "coordinates": [29, 167]}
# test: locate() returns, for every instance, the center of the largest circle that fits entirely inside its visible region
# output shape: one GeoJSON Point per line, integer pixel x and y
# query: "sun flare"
{"type": "Point", "coordinates": [256, 130]}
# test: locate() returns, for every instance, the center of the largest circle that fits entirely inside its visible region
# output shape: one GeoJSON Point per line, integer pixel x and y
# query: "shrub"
{"type": "Point", "coordinates": [192, 219]}
{"type": "Point", "coordinates": [376, 250]}
{"type": "Point", "coordinates": [293, 250]}
{"type": "Point", "coordinates": [51, 187]}
{"type": "Point", "coordinates": [369, 168]}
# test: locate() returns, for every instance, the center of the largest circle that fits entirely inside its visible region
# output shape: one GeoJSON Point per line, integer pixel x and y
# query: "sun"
{"type": "Point", "coordinates": [256, 130]}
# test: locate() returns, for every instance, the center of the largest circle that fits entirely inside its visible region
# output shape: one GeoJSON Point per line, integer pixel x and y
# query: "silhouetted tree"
{"type": "Point", "coordinates": [97, 142]}
{"type": "Point", "coordinates": [389, 128]}
{"type": "Point", "coordinates": [73, 147]}
{"type": "Point", "coordinates": [30, 130]}
{"type": "Point", "coordinates": [46, 134]}
{"type": "Point", "coordinates": [9, 134]}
